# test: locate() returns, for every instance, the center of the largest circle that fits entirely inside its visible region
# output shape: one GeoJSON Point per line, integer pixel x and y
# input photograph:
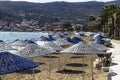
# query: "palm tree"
{"type": "Point", "coordinates": [104, 18]}
{"type": "Point", "coordinates": [112, 13]}
{"type": "Point", "coordinates": [108, 14]}
{"type": "Point", "coordinates": [117, 29]}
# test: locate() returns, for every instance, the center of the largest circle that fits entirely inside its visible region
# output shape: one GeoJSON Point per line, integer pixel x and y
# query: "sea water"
{"type": "Point", "coordinates": [11, 36]}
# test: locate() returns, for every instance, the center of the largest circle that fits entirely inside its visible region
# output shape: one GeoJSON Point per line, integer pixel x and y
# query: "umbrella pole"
{"type": "Point", "coordinates": [83, 68]}
{"type": "Point", "coordinates": [3, 77]}
{"type": "Point", "coordinates": [0, 78]}
{"type": "Point", "coordinates": [59, 63]}
{"type": "Point", "coordinates": [49, 66]}
{"type": "Point", "coordinates": [33, 71]}
{"type": "Point", "coordinates": [33, 74]}
{"type": "Point", "coordinates": [92, 78]}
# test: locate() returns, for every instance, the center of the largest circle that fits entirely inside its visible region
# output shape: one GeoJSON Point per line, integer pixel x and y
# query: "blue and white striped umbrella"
{"type": "Point", "coordinates": [12, 63]}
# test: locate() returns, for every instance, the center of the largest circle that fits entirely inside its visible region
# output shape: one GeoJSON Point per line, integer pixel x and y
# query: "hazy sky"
{"type": "Point", "coordinates": [43, 1]}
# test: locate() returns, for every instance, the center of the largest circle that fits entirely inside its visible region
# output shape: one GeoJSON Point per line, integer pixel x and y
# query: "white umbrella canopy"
{"type": "Point", "coordinates": [33, 50]}
{"type": "Point", "coordinates": [18, 43]}
{"type": "Point", "coordinates": [4, 46]}
{"type": "Point", "coordinates": [61, 42]}
{"type": "Point", "coordinates": [49, 45]}
{"type": "Point", "coordinates": [98, 46]}
{"type": "Point", "coordinates": [82, 48]}
{"type": "Point", "coordinates": [21, 44]}
{"type": "Point", "coordinates": [98, 36]}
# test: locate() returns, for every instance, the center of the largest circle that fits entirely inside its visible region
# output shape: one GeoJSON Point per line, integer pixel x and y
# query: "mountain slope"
{"type": "Point", "coordinates": [50, 12]}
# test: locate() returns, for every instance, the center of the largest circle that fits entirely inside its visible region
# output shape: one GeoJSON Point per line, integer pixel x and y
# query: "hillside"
{"type": "Point", "coordinates": [50, 12]}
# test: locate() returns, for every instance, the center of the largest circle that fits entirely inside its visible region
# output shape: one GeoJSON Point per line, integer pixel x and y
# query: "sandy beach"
{"type": "Point", "coordinates": [60, 67]}
{"type": "Point", "coordinates": [51, 69]}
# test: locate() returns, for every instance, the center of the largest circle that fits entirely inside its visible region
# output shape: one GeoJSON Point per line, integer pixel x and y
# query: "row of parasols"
{"type": "Point", "coordinates": [13, 56]}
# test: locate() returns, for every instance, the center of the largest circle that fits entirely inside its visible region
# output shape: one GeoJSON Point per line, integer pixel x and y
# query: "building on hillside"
{"type": "Point", "coordinates": [77, 27]}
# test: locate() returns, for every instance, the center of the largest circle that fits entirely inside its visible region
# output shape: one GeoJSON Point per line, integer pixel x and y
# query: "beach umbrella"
{"type": "Point", "coordinates": [42, 38]}
{"type": "Point", "coordinates": [29, 41]}
{"type": "Point", "coordinates": [18, 44]}
{"type": "Point", "coordinates": [79, 35]}
{"type": "Point", "coordinates": [83, 48]}
{"type": "Point", "coordinates": [61, 42]}
{"type": "Point", "coordinates": [49, 45]}
{"type": "Point", "coordinates": [66, 33]}
{"type": "Point", "coordinates": [21, 44]}
{"type": "Point", "coordinates": [99, 41]}
{"type": "Point", "coordinates": [89, 33]}
{"type": "Point", "coordinates": [98, 36]}
{"type": "Point", "coordinates": [4, 46]}
{"type": "Point", "coordinates": [50, 37]}
{"type": "Point", "coordinates": [1, 41]}
{"type": "Point", "coordinates": [75, 40]}
{"type": "Point", "coordinates": [12, 63]}
{"type": "Point", "coordinates": [69, 39]}
{"type": "Point", "coordinates": [33, 51]}
{"type": "Point", "coordinates": [56, 36]}
{"type": "Point", "coordinates": [98, 46]}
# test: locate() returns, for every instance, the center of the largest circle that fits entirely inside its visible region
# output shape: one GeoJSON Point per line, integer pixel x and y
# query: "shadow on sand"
{"type": "Point", "coordinates": [29, 71]}
{"type": "Point", "coordinates": [58, 53]}
{"type": "Point", "coordinates": [77, 57]}
{"type": "Point", "coordinates": [69, 71]}
{"type": "Point", "coordinates": [50, 56]}
{"type": "Point", "coordinates": [41, 63]}
{"type": "Point", "coordinates": [76, 65]}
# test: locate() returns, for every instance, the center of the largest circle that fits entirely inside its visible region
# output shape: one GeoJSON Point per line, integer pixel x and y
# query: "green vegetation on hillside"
{"type": "Point", "coordinates": [49, 12]}
{"type": "Point", "coordinates": [108, 21]}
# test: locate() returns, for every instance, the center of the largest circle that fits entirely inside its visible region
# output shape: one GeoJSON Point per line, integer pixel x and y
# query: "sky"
{"type": "Point", "coordinates": [43, 1]}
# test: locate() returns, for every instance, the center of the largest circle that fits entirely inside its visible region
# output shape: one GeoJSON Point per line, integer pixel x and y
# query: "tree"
{"type": "Point", "coordinates": [94, 26]}
{"type": "Point", "coordinates": [108, 15]}
{"type": "Point", "coordinates": [104, 18]}
{"type": "Point", "coordinates": [92, 18]}
{"type": "Point", "coordinates": [117, 29]}
{"type": "Point", "coordinates": [67, 25]}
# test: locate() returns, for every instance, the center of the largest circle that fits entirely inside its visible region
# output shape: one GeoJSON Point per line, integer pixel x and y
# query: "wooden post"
{"type": "Point", "coordinates": [83, 68]}
{"type": "Point", "coordinates": [92, 78]}
{"type": "Point", "coordinates": [50, 66]}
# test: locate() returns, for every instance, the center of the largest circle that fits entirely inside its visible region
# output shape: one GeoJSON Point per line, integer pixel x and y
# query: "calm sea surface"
{"type": "Point", "coordinates": [11, 36]}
